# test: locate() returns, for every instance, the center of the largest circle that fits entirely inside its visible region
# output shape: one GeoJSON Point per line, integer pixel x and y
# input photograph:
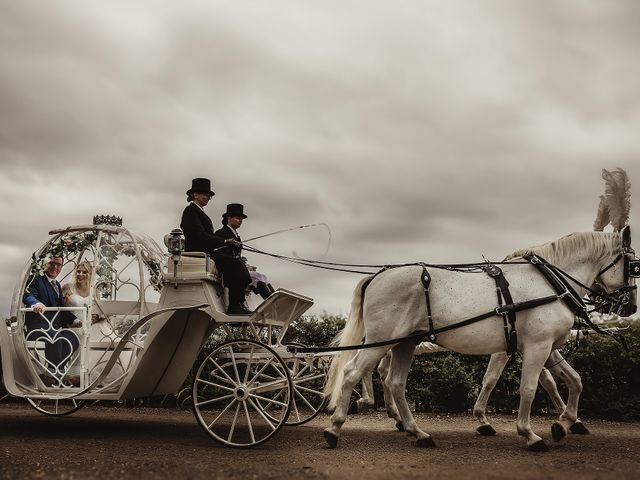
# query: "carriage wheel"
{"type": "Point", "coordinates": [231, 388]}
{"type": "Point", "coordinates": [56, 407]}
{"type": "Point", "coordinates": [309, 376]}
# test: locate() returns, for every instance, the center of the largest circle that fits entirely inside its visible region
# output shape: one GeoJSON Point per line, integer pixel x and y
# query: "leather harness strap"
{"type": "Point", "coordinates": [509, 315]}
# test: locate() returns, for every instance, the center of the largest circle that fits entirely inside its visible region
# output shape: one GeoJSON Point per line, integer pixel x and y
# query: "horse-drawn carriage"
{"type": "Point", "coordinates": [146, 319]}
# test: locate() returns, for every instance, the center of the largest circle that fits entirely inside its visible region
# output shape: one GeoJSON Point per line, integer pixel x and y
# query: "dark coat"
{"type": "Point", "coordinates": [226, 232]}
{"type": "Point", "coordinates": [198, 231]}
{"type": "Point", "coordinates": [41, 291]}
{"type": "Point", "coordinates": [199, 237]}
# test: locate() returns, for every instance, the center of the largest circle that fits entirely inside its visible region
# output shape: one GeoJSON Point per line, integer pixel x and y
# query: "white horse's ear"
{"type": "Point", "coordinates": [626, 236]}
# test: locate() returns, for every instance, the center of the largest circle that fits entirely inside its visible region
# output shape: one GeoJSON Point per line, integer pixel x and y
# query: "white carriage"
{"type": "Point", "coordinates": [149, 316]}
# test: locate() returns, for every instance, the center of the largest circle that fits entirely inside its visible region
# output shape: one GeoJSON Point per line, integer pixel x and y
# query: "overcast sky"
{"type": "Point", "coordinates": [418, 130]}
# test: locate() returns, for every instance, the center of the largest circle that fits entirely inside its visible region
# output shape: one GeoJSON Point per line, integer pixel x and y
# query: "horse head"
{"type": "Point", "coordinates": [618, 277]}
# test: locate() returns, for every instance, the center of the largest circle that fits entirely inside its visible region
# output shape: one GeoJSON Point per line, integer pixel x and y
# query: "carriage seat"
{"type": "Point", "coordinates": [194, 265]}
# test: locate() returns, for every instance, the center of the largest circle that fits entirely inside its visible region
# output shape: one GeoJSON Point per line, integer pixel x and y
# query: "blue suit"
{"type": "Point", "coordinates": [50, 326]}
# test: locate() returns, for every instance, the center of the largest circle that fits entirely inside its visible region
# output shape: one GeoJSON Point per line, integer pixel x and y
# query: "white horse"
{"type": "Point", "coordinates": [394, 307]}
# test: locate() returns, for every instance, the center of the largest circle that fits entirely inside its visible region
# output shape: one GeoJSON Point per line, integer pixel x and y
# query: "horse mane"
{"type": "Point", "coordinates": [595, 245]}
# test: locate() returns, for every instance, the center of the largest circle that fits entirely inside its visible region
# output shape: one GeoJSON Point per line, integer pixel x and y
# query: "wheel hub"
{"type": "Point", "coordinates": [241, 393]}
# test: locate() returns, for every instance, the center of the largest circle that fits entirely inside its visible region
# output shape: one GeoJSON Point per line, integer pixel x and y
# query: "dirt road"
{"type": "Point", "coordinates": [99, 442]}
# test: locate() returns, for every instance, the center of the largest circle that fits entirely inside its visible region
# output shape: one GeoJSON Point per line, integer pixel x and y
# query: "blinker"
{"type": "Point", "coordinates": [634, 268]}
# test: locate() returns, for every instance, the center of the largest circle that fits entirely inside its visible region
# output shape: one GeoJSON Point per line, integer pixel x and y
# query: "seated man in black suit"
{"type": "Point", "coordinates": [231, 222]}
{"type": "Point", "coordinates": [199, 237]}
{"type": "Point", "coordinates": [51, 327]}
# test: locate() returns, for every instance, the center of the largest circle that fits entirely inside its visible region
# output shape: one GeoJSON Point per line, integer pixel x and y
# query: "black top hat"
{"type": "Point", "coordinates": [200, 185]}
{"type": "Point", "coordinates": [235, 210]}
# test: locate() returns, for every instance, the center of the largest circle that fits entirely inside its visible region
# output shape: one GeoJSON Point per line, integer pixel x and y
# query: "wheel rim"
{"type": "Point", "coordinates": [56, 406]}
{"type": "Point", "coordinates": [231, 387]}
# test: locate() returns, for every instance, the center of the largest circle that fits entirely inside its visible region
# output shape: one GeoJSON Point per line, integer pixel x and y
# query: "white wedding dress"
{"type": "Point", "coordinates": [102, 339]}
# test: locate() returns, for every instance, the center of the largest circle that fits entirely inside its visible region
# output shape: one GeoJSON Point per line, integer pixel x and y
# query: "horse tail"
{"type": "Point", "coordinates": [351, 334]}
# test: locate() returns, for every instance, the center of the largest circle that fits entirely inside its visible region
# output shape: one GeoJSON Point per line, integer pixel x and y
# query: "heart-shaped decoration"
{"type": "Point", "coordinates": [40, 335]}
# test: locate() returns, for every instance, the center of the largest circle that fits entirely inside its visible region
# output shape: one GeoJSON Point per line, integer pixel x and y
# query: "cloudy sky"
{"type": "Point", "coordinates": [417, 130]}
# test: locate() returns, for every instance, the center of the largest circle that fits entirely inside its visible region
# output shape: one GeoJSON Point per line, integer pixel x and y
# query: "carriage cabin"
{"type": "Point", "coordinates": [137, 327]}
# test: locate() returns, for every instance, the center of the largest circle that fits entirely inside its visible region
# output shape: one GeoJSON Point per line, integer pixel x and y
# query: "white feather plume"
{"type": "Point", "coordinates": [617, 197]}
{"type": "Point", "coordinates": [602, 217]}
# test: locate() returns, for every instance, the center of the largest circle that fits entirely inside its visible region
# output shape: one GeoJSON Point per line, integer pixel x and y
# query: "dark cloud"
{"type": "Point", "coordinates": [416, 131]}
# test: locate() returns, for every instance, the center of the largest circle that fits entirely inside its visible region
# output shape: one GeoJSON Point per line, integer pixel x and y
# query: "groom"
{"type": "Point", "coordinates": [51, 327]}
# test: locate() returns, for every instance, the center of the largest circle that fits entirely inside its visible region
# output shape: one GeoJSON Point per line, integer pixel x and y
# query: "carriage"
{"type": "Point", "coordinates": [151, 320]}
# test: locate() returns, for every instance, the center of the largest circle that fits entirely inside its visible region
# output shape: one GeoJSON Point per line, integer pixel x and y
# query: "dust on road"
{"type": "Point", "coordinates": [101, 442]}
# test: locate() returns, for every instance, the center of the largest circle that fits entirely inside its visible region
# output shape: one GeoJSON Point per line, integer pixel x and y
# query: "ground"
{"type": "Point", "coordinates": [100, 442]}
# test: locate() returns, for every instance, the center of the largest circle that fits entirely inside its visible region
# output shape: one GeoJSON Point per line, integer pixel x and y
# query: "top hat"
{"type": "Point", "coordinates": [200, 185]}
{"type": "Point", "coordinates": [235, 210]}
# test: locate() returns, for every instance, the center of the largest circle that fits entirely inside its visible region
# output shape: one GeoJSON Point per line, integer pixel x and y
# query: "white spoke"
{"type": "Point", "coordinates": [223, 372]}
{"type": "Point", "coordinates": [298, 381]}
{"type": "Point", "coordinates": [233, 362]}
{"type": "Point", "coordinates": [315, 392]}
{"type": "Point", "coordinates": [269, 387]}
{"type": "Point", "coordinates": [259, 410]}
{"type": "Point", "coordinates": [213, 400]}
{"type": "Point", "coordinates": [260, 371]}
{"type": "Point", "coordinates": [268, 400]}
{"type": "Point", "coordinates": [233, 424]}
{"type": "Point", "coordinates": [295, 408]}
{"type": "Point", "coordinates": [305, 400]}
{"type": "Point", "coordinates": [215, 385]}
{"type": "Point", "coordinates": [304, 369]}
{"type": "Point", "coordinates": [246, 412]}
{"type": "Point", "coordinates": [246, 372]}
{"type": "Point", "coordinates": [221, 413]}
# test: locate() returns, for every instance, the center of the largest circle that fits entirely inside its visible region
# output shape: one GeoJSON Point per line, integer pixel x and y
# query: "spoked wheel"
{"type": "Point", "coordinates": [233, 385]}
{"type": "Point", "coordinates": [56, 407]}
{"type": "Point", "coordinates": [309, 376]}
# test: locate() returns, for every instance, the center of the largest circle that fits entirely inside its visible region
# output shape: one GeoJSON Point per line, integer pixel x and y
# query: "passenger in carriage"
{"type": "Point", "coordinates": [231, 221]}
{"type": "Point", "coordinates": [51, 327]}
{"type": "Point", "coordinates": [199, 237]}
{"type": "Point", "coordinates": [77, 293]}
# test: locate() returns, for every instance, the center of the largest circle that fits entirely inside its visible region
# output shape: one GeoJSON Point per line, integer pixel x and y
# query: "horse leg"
{"type": "Point", "coordinates": [533, 359]}
{"type": "Point", "coordinates": [366, 402]}
{"type": "Point", "coordinates": [401, 359]}
{"type": "Point", "coordinates": [568, 420]}
{"type": "Point", "coordinates": [549, 384]}
{"type": "Point", "coordinates": [491, 376]}
{"type": "Point", "coordinates": [389, 403]}
{"type": "Point", "coordinates": [364, 361]}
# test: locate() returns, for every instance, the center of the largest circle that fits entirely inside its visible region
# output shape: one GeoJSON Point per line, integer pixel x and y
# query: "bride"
{"type": "Point", "coordinates": [77, 293]}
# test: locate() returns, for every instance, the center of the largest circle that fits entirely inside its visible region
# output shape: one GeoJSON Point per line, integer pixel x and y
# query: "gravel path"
{"type": "Point", "coordinates": [99, 442]}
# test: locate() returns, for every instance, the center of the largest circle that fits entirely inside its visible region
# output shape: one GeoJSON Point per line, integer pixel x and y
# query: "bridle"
{"type": "Point", "coordinates": [620, 300]}
{"type": "Point", "coordinates": [622, 297]}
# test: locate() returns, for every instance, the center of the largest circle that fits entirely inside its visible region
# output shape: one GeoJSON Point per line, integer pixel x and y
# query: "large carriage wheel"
{"type": "Point", "coordinates": [56, 407]}
{"type": "Point", "coordinates": [231, 388]}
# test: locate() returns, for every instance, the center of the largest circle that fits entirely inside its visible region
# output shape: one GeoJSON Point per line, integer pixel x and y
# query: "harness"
{"type": "Point", "coordinates": [507, 308]}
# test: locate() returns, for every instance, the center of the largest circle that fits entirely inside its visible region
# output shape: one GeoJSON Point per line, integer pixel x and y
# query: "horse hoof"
{"type": "Point", "coordinates": [558, 432]}
{"type": "Point", "coordinates": [486, 430]}
{"type": "Point", "coordinates": [539, 446]}
{"type": "Point", "coordinates": [579, 429]}
{"type": "Point", "coordinates": [425, 443]}
{"type": "Point", "coordinates": [400, 426]}
{"type": "Point", "coordinates": [353, 408]}
{"type": "Point", "coordinates": [331, 439]}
